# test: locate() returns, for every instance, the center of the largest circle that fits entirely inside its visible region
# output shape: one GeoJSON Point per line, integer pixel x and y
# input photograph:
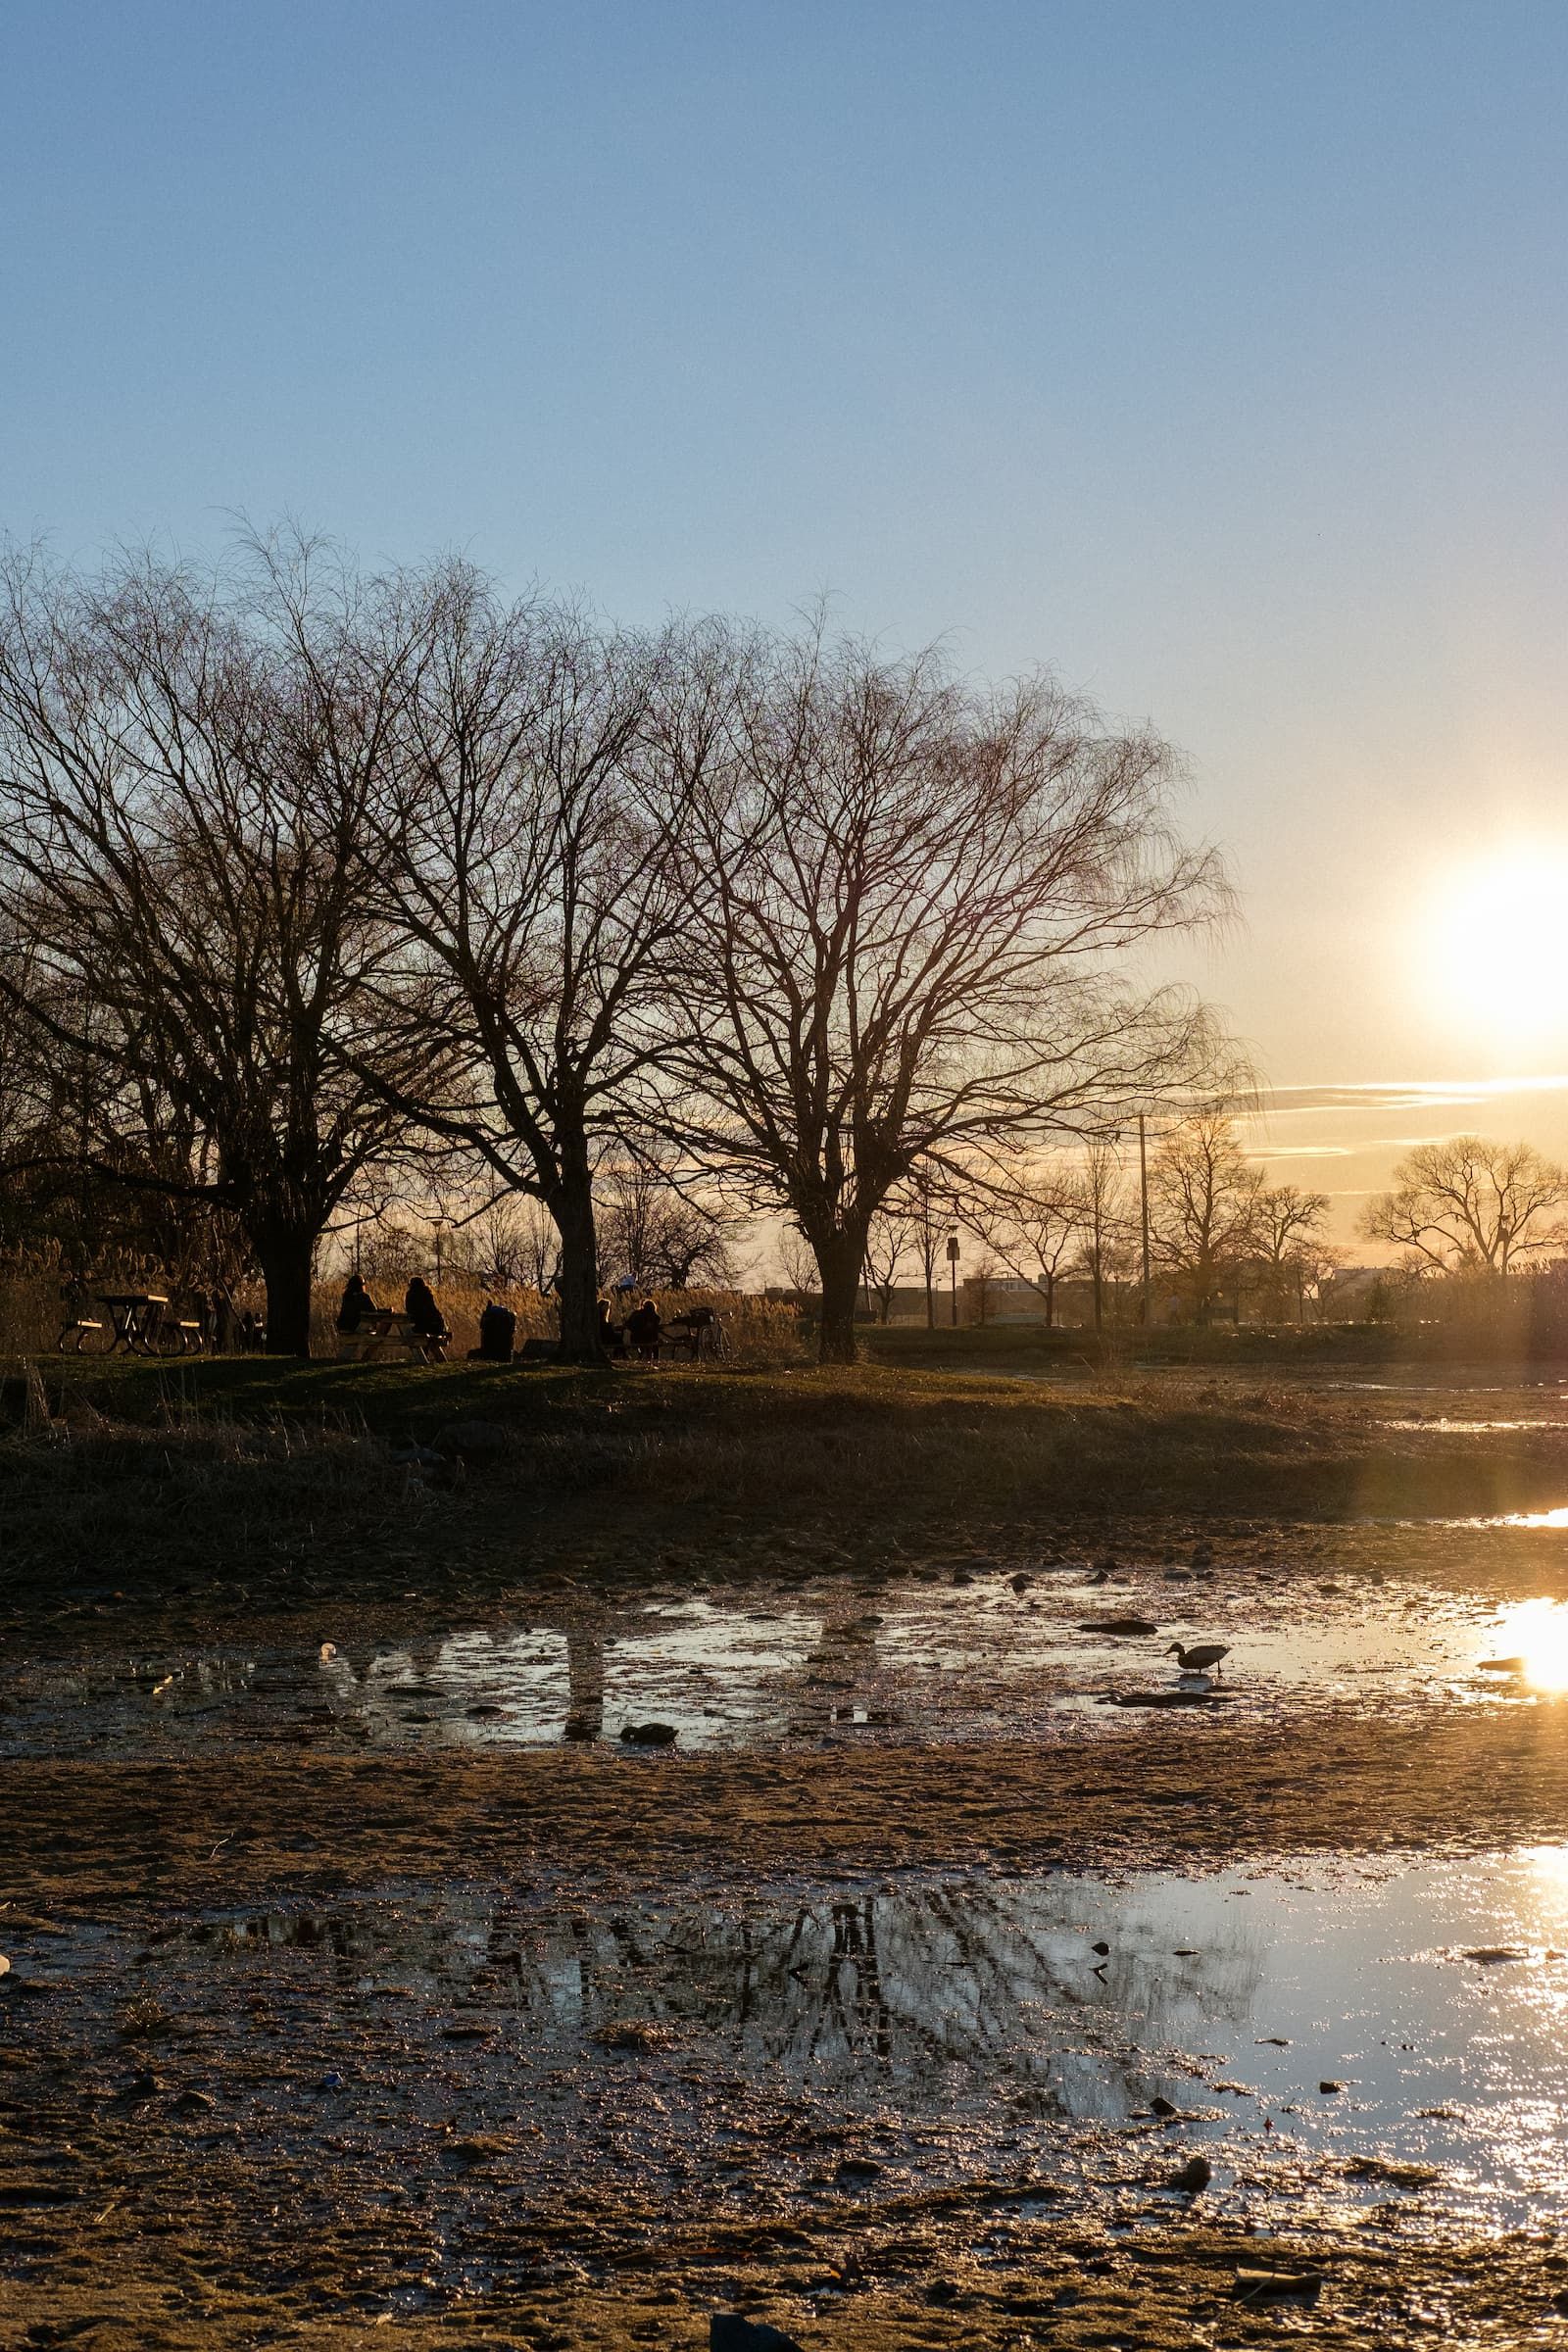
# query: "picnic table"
{"type": "Point", "coordinates": [142, 1326]}
{"type": "Point", "coordinates": [385, 1328]}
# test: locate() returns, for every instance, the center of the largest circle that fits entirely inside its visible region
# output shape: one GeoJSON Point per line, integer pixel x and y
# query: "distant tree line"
{"type": "Point", "coordinates": [314, 886]}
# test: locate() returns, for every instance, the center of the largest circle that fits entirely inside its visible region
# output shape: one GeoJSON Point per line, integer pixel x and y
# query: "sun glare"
{"type": "Point", "coordinates": [1495, 945]}
{"type": "Point", "coordinates": [1536, 1633]}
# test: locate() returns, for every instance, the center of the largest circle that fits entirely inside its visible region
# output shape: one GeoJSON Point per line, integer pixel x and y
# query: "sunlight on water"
{"type": "Point", "coordinates": [1533, 1637]}
{"type": "Point", "coordinates": [1338, 2018]}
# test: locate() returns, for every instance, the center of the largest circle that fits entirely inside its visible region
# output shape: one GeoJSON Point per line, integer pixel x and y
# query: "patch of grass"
{"type": "Point", "coordinates": [256, 1470]}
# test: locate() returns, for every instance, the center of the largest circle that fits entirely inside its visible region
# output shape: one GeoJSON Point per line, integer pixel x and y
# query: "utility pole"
{"type": "Point", "coordinates": [1143, 1193]}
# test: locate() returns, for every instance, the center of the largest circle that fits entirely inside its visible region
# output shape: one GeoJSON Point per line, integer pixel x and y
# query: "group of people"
{"type": "Point", "coordinates": [639, 1334]}
{"type": "Point", "coordinates": [357, 1308]}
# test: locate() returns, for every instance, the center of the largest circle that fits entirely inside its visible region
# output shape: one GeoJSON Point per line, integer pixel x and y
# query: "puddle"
{"type": "Point", "coordinates": [976, 1660]}
{"type": "Point", "coordinates": [1023, 2024]}
{"type": "Point", "coordinates": [1444, 1427]}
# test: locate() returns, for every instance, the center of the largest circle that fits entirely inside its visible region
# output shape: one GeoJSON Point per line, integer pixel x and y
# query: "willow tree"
{"type": "Point", "coordinates": [914, 910]}
{"type": "Point", "coordinates": [181, 797]}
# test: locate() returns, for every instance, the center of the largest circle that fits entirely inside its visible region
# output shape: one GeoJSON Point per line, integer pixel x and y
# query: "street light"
{"type": "Point", "coordinates": [953, 1267]}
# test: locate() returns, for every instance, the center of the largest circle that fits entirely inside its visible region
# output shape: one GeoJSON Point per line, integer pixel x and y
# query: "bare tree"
{"type": "Point", "coordinates": [887, 1242]}
{"type": "Point", "coordinates": [796, 1261]}
{"type": "Point", "coordinates": [1466, 1204]}
{"type": "Point", "coordinates": [509, 1245]}
{"type": "Point", "coordinates": [657, 1229]}
{"type": "Point", "coordinates": [1288, 1241]}
{"type": "Point", "coordinates": [525, 853]}
{"type": "Point", "coordinates": [909, 906]}
{"type": "Point", "coordinates": [184, 764]}
{"type": "Point", "coordinates": [1029, 1226]}
{"type": "Point", "coordinates": [1203, 1194]}
{"type": "Point", "coordinates": [925, 1205]}
{"type": "Point", "coordinates": [1105, 1225]}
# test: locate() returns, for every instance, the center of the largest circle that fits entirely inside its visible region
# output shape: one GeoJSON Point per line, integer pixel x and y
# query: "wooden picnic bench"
{"type": "Point", "coordinates": [386, 1333]}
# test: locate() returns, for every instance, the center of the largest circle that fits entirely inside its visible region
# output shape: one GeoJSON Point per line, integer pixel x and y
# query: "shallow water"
{"type": "Point", "coordinates": [973, 1660]}
{"type": "Point", "coordinates": [1022, 2025]}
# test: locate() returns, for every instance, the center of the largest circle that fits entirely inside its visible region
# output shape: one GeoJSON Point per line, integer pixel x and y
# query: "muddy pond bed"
{"type": "Point", "coordinates": [960, 1969]}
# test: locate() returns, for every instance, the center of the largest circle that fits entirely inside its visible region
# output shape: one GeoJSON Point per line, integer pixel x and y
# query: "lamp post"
{"type": "Point", "coordinates": [1143, 1191]}
{"type": "Point", "coordinates": [952, 1269]}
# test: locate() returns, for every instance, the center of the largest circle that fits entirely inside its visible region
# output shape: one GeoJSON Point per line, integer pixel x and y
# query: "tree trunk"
{"type": "Point", "coordinates": [287, 1257]}
{"type": "Point", "coordinates": [838, 1262]}
{"type": "Point", "coordinates": [1050, 1301]}
{"type": "Point", "coordinates": [578, 1294]}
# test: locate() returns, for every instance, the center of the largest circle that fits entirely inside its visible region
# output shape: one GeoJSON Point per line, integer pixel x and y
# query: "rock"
{"type": "Point", "coordinates": [1022, 1583]}
{"type": "Point", "coordinates": [1167, 1698]}
{"type": "Point", "coordinates": [858, 2167]}
{"type": "Point", "coordinates": [1492, 1955]}
{"type": "Point", "coordinates": [1202, 1555]}
{"type": "Point", "coordinates": [578, 1727]}
{"type": "Point", "coordinates": [416, 1458]}
{"type": "Point", "coordinates": [484, 1711]}
{"type": "Point", "coordinates": [475, 1440]}
{"type": "Point", "coordinates": [195, 2102]}
{"type": "Point", "coordinates": [1194, 2178]}
{"type": "Point", "coordinates": [1273, 2287]}
{"type": "Point", "coordinates": [961, 1576]}
{"type": "Point", "coordinates": [1163, 2108]}
{"type": "Point", "coordinates": [1328, 2090]}
{"type": "Point", "coordinates": [649, 1735]}
{"type": "Point", "coordinates": [727, 2331]}
{"type": "Point", "coordinates": [1102, 1948]}
{"type": "Point", "coordinates": [1116, 1625]}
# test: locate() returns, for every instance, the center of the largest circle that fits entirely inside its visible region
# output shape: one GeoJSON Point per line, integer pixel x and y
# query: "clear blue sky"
{"type": "Point", "coordinates": [1216, 355]}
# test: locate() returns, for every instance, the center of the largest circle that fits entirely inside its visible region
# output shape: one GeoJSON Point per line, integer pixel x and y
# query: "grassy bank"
{"type": "Point", "coordinates": [131, 1471]}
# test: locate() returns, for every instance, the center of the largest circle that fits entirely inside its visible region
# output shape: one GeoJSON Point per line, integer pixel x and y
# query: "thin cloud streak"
{"type": "Point", "coordinates": [1416, 1093]}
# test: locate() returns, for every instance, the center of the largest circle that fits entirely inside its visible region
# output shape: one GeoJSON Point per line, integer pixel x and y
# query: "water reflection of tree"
{"type": "Point", "coordinates": [920, 1995]}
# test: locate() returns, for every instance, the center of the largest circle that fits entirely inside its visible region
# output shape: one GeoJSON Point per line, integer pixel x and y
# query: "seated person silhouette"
{"type": "Point", "coordinates": [612, 1338]}
{"type": "Point", "coordinates": [356, 1304]}
{"type": "Point", "coordinates": [418, 1304]}
{"type": "Point", "coordinates": [498, 1332]}
{"type": "Point", "coordinates": [643, 1330]}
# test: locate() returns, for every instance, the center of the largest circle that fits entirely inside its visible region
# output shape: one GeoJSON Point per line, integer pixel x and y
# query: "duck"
{"type": "Point", "coordinates": [1203, 1657]}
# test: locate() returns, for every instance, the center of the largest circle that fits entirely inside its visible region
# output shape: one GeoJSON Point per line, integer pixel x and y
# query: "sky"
{"type": "Point", "coordinates": [1212, 356]}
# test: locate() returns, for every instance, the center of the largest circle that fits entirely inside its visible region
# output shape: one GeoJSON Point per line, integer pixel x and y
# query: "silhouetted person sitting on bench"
{"type": "Point", "coordinates": [643, 1330]}
{"type": "Point", "coordinates": [422, 1310]}
{"type": "Point", "coordinates": [612, 1338]}
{"type": "Point", "coordinates": [498, 1332]}
{"type": "Point", "coordinates": [357, 1306]}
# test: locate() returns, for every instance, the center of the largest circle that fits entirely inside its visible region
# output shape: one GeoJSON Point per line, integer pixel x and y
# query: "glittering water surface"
{"type": "Point", "coordinates": [1349, 2033]}
{"type": "Point", "coordinates": [971, 1660]}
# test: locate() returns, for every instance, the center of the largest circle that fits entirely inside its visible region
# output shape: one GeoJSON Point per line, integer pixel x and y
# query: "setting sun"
{"type": "Point", "coordinates": [1492, 945]}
